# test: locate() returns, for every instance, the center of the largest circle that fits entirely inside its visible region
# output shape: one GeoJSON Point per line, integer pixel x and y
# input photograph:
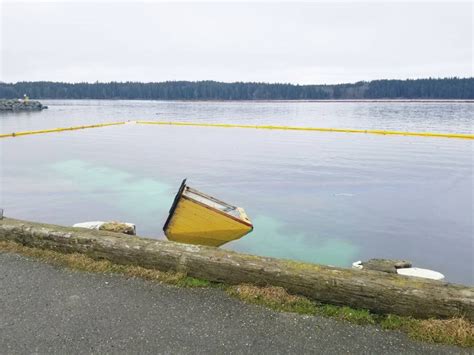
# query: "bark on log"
{"type": "Point", "coordinates": [377, 291]}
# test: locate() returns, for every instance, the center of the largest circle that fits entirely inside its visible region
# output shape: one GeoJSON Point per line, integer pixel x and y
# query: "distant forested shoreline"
{"type": "Point", "coordinates": [446, 88]}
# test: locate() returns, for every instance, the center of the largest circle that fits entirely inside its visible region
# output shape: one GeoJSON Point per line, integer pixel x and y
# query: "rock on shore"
{"type": "Point", "coordinates": [21, 105]}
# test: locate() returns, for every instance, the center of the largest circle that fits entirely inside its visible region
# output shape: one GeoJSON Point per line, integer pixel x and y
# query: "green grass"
{"type": "Point", "coordinates": [394, 322]}
{"type": "Point", "coordinates": [455, 331]}
{"type": "Point", "coordinates": [275, 298]}
{"type": "Point", "coordinates": [357, 316]}
{"type": "Point", "coordinates": [193, 282]}
{"type": "Point", "coordinates": [82, 262]}
{"type": "Point", "coordinates": [279, 299]}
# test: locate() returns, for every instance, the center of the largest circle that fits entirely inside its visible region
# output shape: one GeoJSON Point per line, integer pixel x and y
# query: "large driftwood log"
{"type": "Point", "coordinates": [376, 291]}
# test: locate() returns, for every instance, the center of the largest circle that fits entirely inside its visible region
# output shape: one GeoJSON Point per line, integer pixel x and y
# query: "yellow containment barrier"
{"type": "Point", "coordinates": [52, 130]}
{"type": "Point", "coordinates": [225, 125]}
{"type": "Point", "coordinates": [295, 128]}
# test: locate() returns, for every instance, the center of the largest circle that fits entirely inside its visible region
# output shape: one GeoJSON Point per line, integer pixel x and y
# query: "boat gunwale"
{"type": "Point", "coordinates": [249, 224]}
{"type": "Point", "coordinates": [199, 193]}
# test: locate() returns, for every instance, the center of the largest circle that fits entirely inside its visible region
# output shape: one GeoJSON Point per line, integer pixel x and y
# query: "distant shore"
{"type": "Point", "coordinates": [419, 89]}
{"type": "Point", "coordinates": [286, 100]}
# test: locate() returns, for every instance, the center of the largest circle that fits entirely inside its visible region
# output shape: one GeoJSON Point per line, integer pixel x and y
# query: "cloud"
{"type": "Point", "coordinates": [273, 42]}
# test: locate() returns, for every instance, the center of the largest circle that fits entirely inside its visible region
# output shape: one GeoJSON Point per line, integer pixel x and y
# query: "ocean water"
{"type": "Point", "coordinates": [330, 198]}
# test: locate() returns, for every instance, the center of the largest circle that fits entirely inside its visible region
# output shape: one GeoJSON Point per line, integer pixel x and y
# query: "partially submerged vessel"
{"type": "Point", "coordinates": [197, 218]}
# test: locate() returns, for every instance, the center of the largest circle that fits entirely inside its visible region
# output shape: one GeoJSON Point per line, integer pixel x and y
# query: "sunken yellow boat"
{"type": "Point", "coordinates": [197, 218]}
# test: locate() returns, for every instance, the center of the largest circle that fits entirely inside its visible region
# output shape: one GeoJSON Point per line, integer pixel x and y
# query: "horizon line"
{"type": "Point", "coordinates": [231, 82]}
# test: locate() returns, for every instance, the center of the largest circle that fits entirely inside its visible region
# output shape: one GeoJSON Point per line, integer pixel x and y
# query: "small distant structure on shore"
{"type": "Point", "coordinates": [24, 104]}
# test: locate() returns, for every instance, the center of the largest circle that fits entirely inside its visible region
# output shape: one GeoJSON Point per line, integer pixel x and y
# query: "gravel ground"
{"type": "Point", "coordinates": [50, 310]}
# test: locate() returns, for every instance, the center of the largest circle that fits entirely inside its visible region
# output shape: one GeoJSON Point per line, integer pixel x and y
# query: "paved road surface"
{"type": "Point", "coordinates": [45, 310]}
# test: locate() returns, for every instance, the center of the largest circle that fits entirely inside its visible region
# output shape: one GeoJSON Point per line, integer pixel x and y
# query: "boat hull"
{"type": "Point", "coordinates": [193, 222]}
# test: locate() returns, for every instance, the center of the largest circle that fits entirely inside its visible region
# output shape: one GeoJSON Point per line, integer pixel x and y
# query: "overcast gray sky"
{"type": "Point", "coordinates": [311, 42]}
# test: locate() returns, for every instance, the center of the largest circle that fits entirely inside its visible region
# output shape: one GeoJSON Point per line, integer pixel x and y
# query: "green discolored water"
{"type": "Point", "coordinates": [134, 195]}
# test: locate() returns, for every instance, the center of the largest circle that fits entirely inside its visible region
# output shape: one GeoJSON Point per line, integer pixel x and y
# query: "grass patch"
{"type": "Point", "coordinates": [394, 322]}
{"type": "Point", "coordinates": [279, 299]}
{"type": "Point", "coordinates": [456, 331]}
{"type": "Point", "coordinates": [276, 298]}
{"type": "Point", "coordinates": [193, 282]}
{"type": "Point", "coordinates": [357, 316]}
{"type": "Point", "coordinates": [82, 262]}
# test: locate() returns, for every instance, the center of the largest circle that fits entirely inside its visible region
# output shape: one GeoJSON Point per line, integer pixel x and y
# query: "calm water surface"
{"type": "Point", "coordinates": [438, 117]}
{"type": "Point", "coordinates": [330, 198]}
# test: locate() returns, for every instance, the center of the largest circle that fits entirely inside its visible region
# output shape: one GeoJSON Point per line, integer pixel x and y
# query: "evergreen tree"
{"type": "Point", "coordinates": [447, 88]}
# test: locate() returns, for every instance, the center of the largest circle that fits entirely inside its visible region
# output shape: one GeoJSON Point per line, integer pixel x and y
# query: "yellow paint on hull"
{"type": "Point", "coordinates": [194, 223]}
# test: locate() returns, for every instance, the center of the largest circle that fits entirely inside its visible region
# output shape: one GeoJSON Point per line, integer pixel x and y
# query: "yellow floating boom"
{"type": "Point", "coordinates": [226, 125]}
{"type": "Point", "coordinates": [319, 129]}
{"type": "Point", "coordinates": [52, 130]}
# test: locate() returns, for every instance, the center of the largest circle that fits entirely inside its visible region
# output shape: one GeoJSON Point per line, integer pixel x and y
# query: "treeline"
{"type": "Point", "coordinates": [447, 88]}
